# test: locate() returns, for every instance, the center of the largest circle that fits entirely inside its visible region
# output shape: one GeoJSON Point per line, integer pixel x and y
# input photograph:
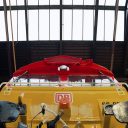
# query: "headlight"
{"type": "Point", "coordinates": [119, 110]}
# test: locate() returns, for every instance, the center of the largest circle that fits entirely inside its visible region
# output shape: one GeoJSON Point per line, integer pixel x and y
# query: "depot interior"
{"type": "Point", "coordinates": [31, 30]}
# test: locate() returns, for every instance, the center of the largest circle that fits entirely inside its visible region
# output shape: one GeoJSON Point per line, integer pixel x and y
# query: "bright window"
{"type": "Point", "coordinates": [77, 25]}
{"type": "Point", "coordinates": [33, 25]}
{"type": "Point", "coordinates": [13, 2]}
{"type": "Point", "coordinates": [89, 2]}
{"type": "Point", "coordinates": [81, 25]}
{"type": "Point", "coordinates": [108, 25]}
{"type": "Point", "coordinates": [67, 21]}
{"type": "Point", "coordinates": [122, 2]}
{"type": "Point", "coordinates": [21, 25]}
{"type": "Point", "coordinates": [20, 2]}
{"type": "Point", "coordinates": [112, 2]}
{"type": "Point", "coordinates": [43, 2]}
{"type": "Point", "coordinates": [67, 2]}
{"type": "Point", "coordinates": [14, 25]}
{"type": "Point", "coordinates": [33, 2]}
{"type": "Point", "coordinates": [1, 2]}
{"type": "Point", "coordinates": [78, 2]}
{"type": "Point", "coordinates": [54, 25]}
{"type": "Point", "coordinates": [19, 35]}
{"type": "Point", "coordinates": [44, 25]}
{"type": "Point", "coordinates": [54, 2]}
{"type": "Point", "coordinates": [120, 27]}
{"type": "Point", "coordinates": [100, 27]}
{"type": "Point", "coordinates": [2, 27]}
{"type": "Point", "coordinates": [88, 24]}
{"type": "Point", "coordinates": [47, 25]}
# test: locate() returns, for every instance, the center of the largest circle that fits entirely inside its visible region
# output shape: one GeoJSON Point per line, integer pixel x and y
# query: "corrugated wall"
{"type": "Point", "coordinates": [40, 50]}
{"type": "Point", "coordinates": [78, 49]}
{"type": "Point", "coordinates": [3, 60]}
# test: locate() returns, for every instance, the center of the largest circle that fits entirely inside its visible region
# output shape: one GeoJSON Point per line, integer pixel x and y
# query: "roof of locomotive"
{"type": "Point", "coordinates": [70, 66]}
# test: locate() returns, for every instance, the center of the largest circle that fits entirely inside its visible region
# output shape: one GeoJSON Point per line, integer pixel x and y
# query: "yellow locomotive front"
{"type": "Point", "coordinates": [65, 99]}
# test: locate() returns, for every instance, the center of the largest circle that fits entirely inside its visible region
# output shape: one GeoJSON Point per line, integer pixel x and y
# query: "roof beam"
{"type": "Point", "coordinates": [96, 21]}
{"type": "Point", "coordinates": [126, 37]}
{"type": "Point", "coordinates": [95, 30]}
{"type": "Point", "coordinates": [32, 7]}
{"type": "Point", "coordinates": [26, 18]}
{"type": "Point", "coordinates": [61, 25]}
{"type": "Point", "coordinates": [78, 41]}
{"type": "Point", "coordinates": [126, 22]}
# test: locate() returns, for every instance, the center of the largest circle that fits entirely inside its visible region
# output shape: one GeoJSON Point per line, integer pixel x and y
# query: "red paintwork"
{"type": "Point", "coordinates": [77, 66]}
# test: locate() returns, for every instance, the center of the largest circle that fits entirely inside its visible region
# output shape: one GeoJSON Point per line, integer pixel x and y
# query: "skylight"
{"type": "Point", "coordinates": [77, 23]}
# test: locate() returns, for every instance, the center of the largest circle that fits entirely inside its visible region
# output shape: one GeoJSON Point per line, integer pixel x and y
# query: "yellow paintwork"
{"type": "Point", "coordinates": [86, 106]}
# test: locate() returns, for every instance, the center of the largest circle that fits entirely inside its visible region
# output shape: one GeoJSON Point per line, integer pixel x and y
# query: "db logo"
{"type": "Point", "coordinates": [60, 96]}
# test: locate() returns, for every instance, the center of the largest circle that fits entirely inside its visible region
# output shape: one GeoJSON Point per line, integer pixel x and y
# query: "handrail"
{"type": "Point", "coordinates": [60, 84]}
